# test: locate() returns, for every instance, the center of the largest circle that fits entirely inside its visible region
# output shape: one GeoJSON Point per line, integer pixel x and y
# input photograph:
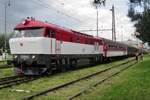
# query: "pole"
{"type": "Point", "coordinates": [113, 24]}
{"type": "Point", "coordinates": [5, 29]}
{"type": "Point", "coordinates": [97, 22]}
{"type": "Point", "coordinates": [6, 5]}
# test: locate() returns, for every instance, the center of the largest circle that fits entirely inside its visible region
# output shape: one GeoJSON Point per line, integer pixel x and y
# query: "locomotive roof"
{"type": "Point", "coordinates": [32, 23]}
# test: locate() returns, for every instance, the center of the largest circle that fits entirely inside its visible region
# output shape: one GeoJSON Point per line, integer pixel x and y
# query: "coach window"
{"type": "Point", "coordinates": [53, 34]}
{"type": "Point", "coordinates": [47, 33]}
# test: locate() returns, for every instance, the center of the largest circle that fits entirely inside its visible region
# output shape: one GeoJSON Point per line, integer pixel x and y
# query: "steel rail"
{"type": "Point", "coordinates": [74, 81]}
{"type": "Point", "coordinates": [5, 66]}
{"type": "Point", "coordinates": [8, 78]}
{"type": "Point", "coordinates": [11, 80]}
{"type": "Point", "coordinates": [14, 80]}
{"type": "Point", "coordinates": [99, 82]}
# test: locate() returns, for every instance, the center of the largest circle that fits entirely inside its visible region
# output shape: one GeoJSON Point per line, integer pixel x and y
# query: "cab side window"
{"type": "Point", "coordinates": [48, 33]}
{"type": "Point", "coordinates": [51, 33]}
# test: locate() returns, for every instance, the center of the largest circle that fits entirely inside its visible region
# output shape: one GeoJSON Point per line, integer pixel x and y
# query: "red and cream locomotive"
{"type": "Point", "coordinates": [41, 47]}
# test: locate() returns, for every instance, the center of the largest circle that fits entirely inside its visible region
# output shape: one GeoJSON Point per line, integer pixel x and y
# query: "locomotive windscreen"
{"type": "Point", "coordinates": [36, 32]}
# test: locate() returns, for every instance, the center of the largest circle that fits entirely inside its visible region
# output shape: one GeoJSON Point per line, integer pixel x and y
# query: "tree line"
{"type": "Point", "coordinates": [141, 17]}
{"type": "Point", "coordinates": [2, 41]}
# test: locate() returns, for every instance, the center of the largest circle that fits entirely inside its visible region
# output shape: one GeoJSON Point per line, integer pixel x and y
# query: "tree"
{"type": "Point", "coordinates": [142, 19]}
{"type": "Point", "coordinates": [2, 41]}
{"type": "Point", "coordinates": [99, 2]}
{"type": "Point", "coordinates": [143, 26]}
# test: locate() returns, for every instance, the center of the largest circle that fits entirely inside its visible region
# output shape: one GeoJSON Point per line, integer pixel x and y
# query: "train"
{"type": "Point", "coordinates": [40, 48]}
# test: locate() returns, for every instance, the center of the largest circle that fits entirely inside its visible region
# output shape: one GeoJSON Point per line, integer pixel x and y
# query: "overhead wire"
{"type": "Point", "coordinates": [44, 4]}
{"type": "Point", "coordinates": [41, 5]}
{"type": "Point", "coordinates": [58, 11]}
{"type": "Point", "coordinates": [96, 30]}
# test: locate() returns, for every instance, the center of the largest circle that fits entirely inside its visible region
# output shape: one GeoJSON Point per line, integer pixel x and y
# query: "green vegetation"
{"type": "Point", "coordinates": [3, 62]}
{"type": "Point", "coordinates": [6, 72]}
{"type": "Point", "coordinates": [132, 84]}
{"type": "Point", "coordinates": [48, 82]}
{"type": "Point", "coordinates": [142, 20]}
{"type": "Point", "coordinates": [2, 41]}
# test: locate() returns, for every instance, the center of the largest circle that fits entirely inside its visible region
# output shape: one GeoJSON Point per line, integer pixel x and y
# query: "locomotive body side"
{"type": "Point", "coordinates": [42, 47]}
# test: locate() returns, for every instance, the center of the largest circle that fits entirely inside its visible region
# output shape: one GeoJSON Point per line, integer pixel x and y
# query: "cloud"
{"type": "Point", "coordinates": [84, 11]}
{"type": "Point", "coordinates": [21, 9]}
{"type": "Point", "coordinates": [74, 14]}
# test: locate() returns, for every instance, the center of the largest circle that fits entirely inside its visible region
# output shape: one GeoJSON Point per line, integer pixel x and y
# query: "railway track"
{"type": "Point", "coordinates": [7, 78]}
{"type": "Point", "coordinates": [5, 66]}
{"type": "Point", "coordinates": [81, 79]}
{"type": "Point", "coordinates": [97, 83]}
{"type": "Point", "coordinates": [14, 80]}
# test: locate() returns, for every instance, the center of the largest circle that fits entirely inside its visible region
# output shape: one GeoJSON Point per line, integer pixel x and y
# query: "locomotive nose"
{"type": "Point", "coordinates": [30, 45]}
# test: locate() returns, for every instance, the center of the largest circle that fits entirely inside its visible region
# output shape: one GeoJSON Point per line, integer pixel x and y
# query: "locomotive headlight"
{"type": "Point", "coordinates": [15, 56]}
{"type": "Point", "coordinates": [33, 57]}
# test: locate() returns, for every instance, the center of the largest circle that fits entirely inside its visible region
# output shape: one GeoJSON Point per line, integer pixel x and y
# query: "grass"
{"type": "Point", "coordinates": [64, 93]}
{"type": "Point", "coordinates": [47, 82]}
{"type": "Point", "coordinates": [3, 63]}
{"type": "Point", "coordinates": [6, 72]}
{"type": "Point", "coordinates": [132, 84]}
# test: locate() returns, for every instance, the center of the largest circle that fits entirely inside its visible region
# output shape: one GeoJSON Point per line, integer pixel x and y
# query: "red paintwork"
{"type": "Point", "coordinates": [62, 34]}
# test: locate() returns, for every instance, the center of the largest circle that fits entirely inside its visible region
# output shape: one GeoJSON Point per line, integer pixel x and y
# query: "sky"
{"type": "Point", "coordinates": [75, 14]}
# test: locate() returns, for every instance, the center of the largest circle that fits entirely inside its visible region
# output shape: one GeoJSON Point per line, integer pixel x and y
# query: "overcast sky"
{"type": "Point", "coordinates": [74, 14]}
